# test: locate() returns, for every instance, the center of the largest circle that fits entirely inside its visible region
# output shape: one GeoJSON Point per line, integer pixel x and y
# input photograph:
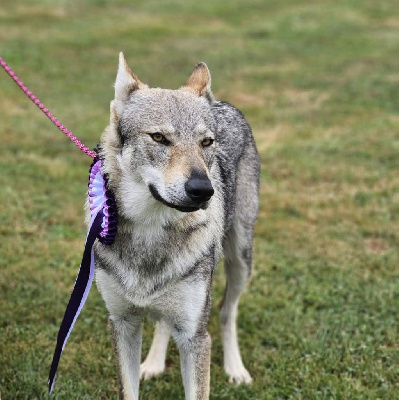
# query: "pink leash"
{"type": "Point", "coordinates": [53, 119]}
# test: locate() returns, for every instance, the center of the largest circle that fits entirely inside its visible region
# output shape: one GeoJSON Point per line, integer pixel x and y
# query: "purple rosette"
{"type": "Point", "coordinates": [100, 197]}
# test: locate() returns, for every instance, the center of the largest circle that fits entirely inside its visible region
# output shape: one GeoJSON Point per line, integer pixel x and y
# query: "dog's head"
{"type": "Point", "coordinates": [159, 146]}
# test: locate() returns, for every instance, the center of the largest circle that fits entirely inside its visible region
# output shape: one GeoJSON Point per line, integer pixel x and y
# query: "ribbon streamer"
{"type": "Point", "coordinates": [103, 226]}
{"type": "Point", "coordinates": [79, 294]}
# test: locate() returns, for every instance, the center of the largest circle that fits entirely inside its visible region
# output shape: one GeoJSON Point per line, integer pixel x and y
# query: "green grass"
{"type": "Point", "coordinates": [318, 81]}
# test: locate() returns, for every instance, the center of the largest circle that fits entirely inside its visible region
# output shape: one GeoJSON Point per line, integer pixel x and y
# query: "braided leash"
{"type": "Point", "coordinates": [39, 104]}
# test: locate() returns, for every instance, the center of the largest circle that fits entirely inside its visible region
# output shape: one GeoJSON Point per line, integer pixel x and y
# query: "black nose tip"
{"type": "Point", "coordinates": [199, 187]}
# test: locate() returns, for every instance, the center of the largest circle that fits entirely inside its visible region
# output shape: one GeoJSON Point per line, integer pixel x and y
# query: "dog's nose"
{"type": "Point", "coordinates": [199, 187]}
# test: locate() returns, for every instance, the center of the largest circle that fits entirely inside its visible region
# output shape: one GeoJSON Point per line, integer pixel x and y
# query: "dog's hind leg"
{"type": "Point", "coordinates": [126, 337]}
{"type": "Point", "coordinates": [237, 249]}
{"type": "Point", "coordinates": [237, 273]}
{"type": "Point", "coordinates": [154, 363]}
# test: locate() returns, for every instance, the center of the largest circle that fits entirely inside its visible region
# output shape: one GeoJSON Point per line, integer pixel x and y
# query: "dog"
{"type": "Point", "coordinates": [184, 170]}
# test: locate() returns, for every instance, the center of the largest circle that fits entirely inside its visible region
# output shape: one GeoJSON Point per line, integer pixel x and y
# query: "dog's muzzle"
{"type": "Point", "coordinates": [198, 189]}
{"type": "Point", "coordinates": [179, 207]}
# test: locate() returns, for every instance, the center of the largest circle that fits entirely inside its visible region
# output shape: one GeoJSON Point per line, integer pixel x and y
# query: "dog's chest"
{"type": "Point", "coordinates": [146, 262]}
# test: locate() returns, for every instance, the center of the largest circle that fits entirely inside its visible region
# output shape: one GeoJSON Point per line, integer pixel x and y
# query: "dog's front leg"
{"type": "Point", "coordinates": [126, 336]}
{"type": "Point", "coordinates": [185, 309]}
{"type": "Point", "coordinates": [195, 358]}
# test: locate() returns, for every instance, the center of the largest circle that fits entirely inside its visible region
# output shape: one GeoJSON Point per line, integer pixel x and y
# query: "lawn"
{"type": "Point", "coordinates": [319, 83]}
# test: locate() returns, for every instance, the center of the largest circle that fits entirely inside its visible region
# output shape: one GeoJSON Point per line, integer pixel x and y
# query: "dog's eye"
{"type": "Point", "coordinates": [207, 142]}
{"type": "Point", "coordinates": [159, 138]}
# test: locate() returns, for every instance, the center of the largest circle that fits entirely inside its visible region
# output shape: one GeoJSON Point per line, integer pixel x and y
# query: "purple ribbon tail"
{"type": "Point", "coordinates": [79, 294]}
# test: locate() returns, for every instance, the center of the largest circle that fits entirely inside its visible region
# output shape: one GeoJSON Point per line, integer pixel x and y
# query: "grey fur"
{"type": "Point", "coordinates": [114, 344]}
{"type": "Point", "coordinates": [162, 260]}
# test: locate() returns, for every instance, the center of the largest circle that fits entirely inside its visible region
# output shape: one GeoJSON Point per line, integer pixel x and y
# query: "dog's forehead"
{"type": "Point", "coordinates": [179, 110]}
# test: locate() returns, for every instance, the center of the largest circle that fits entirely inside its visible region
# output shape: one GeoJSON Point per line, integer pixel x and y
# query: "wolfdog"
{"type": "Point", "coordinates": [184, 170]}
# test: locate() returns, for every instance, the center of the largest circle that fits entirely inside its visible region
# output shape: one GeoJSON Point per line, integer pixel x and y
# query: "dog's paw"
{"type": "Point", "coordinates": [238, 375]}
{"type": "Point", "coordinates": [149, 369]}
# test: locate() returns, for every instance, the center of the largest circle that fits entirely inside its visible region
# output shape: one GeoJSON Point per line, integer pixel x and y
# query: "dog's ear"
{"type": "Point", "coordinates": [200, 82]}
{"type": "Point", "coordinates": [126, 83]}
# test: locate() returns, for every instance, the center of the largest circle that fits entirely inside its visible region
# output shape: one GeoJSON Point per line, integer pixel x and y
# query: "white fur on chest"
{"type": "Point", "coordinates": [138, 288]}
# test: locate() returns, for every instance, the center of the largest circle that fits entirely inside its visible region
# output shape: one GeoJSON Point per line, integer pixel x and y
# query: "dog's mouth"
{"type": "Point", "coordinates": [158, 197]}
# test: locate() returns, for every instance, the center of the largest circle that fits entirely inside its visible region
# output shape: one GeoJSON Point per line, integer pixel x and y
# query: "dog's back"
{"type": "Point", "coordinates": [238, 161]}
{"type": "Point", "coordinates": [185, 172]}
